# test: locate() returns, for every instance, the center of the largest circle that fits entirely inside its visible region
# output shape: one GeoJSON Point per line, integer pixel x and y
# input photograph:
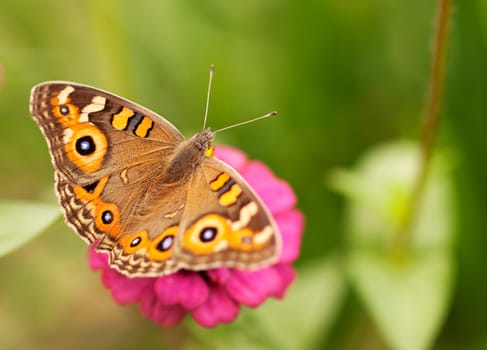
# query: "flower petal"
{"type": "Point", "coordinates": [124, 290]}
{"type": "Point", "coordinates": [219, 308]}
{"type": "Point", "coordinates": [185, 288]}
{"type": "Point", "coordinates": [233, 157]}
{"type": "Point", "coordinates": [168, 315]}
{"type": "Point", "coordinates": [97, 260]}
{"type": "Point", "coordinates": [253, 287]}
{"type": "Point", "coordinates": [156, 311]}
{"type": "Point", "coordinates": [291, 225]}
{"type": "Point", "coordinates": [275, 193]}
{"type": "Point", "coordinates": [287, 275]}
{"type": "Point", "coordinates": [220, 275]}
{"type": "Point", "coordinates": [109, 277]}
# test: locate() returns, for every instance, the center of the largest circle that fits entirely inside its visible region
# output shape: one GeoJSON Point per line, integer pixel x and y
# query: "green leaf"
{"type": "Point", "coordinates": [308, 311]}
{"type": "Point", "coordinates": [20, 221]}
{"type": "Point", "coordinates": [407, 300]}
{"type": "Point", "coordinates": [299, 321]}
{"type": "Point", "coordinates": [404, 278]}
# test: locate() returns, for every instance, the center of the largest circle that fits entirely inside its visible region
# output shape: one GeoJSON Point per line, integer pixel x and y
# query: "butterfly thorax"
{"type": "Point", "coordinates": [188, 155]}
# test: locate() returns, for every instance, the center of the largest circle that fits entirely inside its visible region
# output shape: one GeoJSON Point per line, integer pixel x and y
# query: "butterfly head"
{"type": "Point", "coordinates": [203, 140]}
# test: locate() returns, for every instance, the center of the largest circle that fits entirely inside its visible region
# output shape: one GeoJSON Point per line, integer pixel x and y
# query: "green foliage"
{"type": "Point", "coordinates": [22, 221]}
{"type": "Point", "coordinates": [404, 278]}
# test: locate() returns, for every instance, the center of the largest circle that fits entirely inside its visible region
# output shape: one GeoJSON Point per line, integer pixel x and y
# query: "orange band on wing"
{"type": "Point", "coordinates": [230, 197]}
{"type": "Point", "coordinates": [121, 119]}
{"type": "Point", "coordinates": [219, 182]}
{"type": "Point", "coordinates": [144, 127]}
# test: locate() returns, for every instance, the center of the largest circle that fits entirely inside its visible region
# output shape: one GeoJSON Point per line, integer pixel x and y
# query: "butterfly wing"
{"type": "Point", "coordinates": [225, 223]}
{"type": "Point", "coordinates": [92, 133]}
{"type": "Point", "coordinates": [106, 152]}
{"type": "Point", "coordinates": [110, 156]}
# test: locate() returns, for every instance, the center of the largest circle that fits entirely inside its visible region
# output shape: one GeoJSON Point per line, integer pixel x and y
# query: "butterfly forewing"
{"type": "Point", "coordinates": [92, 133]}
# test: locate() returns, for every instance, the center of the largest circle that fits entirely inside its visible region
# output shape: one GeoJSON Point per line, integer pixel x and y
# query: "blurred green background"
{"type": "Point", "coordinates": [344, 76]}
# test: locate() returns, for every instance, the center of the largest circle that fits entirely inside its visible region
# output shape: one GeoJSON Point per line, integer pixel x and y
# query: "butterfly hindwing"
{"type": "Point", "coordinates": [225, 222]}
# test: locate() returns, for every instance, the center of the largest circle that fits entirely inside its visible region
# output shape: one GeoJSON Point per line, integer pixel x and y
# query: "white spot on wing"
{"type": "Point", "coordinates": [97, 104]}
{"type": "Point", "coordinates": [67, 134]}
{"type": "Point", "coordinates": [221, 246]}
{"type": "Point", "coordinates": [124, 177]}
{"type": "Point", "coordinates": [263, 236]}
{"type": "Point", "coordinates": [246, 214]}
{"type": "Point", "coordinates": [64, 94]}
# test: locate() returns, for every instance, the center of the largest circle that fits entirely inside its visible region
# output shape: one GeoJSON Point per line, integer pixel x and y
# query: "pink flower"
{"type": "Point", "coordinates": [214, 296]}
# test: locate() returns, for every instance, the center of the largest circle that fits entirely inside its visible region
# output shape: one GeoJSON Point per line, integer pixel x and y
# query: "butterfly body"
{"type": "Point", "coordinates": [153, 200]}
{"type": "Point", "coordinates": [188, 155]}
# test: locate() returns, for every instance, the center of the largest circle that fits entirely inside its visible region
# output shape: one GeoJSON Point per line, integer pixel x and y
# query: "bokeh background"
{"type": "Point", "coordinates": [344, 76]}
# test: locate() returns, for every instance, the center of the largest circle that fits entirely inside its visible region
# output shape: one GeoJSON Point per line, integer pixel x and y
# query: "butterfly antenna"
{"type": "Point", "coordinates": [212, 72]}
{"type": "Point", "coordinates": [268, 115]}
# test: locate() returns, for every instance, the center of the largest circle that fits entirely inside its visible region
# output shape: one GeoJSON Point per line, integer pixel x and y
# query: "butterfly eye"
{"type": "Point", "coordinates": [63, 109]}
{"type": "Point", "coordinates": [208, 234]}
{"type": "Point", "coordinates": [160, 248]}
{"type": "Point", "coordinates": [135, 242]}
{"type": "Point", "coordinates": [90, 188]}
{"type": "Point", "coordinates": [246, 240]}
{"type": "Point", "coordinates": [166, 243]}
{"type": "Point", "coordinates": [132, 243]}
{"type": "Point", "coordinates": [85, 145]}
{"type": "Point", "coordinates": [107, 217]}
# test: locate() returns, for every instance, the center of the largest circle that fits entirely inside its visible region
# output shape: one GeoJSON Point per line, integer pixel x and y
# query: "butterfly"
{"type": "Point", "coordinates": [155, 201]}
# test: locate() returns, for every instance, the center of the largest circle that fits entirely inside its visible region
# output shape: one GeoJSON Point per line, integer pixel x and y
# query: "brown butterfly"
{"type": "Point", "coordinates": [155, 201]}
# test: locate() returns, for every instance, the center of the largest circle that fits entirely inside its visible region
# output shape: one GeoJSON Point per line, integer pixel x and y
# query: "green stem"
{"type": "Point", "coordinates": [431, 120]}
